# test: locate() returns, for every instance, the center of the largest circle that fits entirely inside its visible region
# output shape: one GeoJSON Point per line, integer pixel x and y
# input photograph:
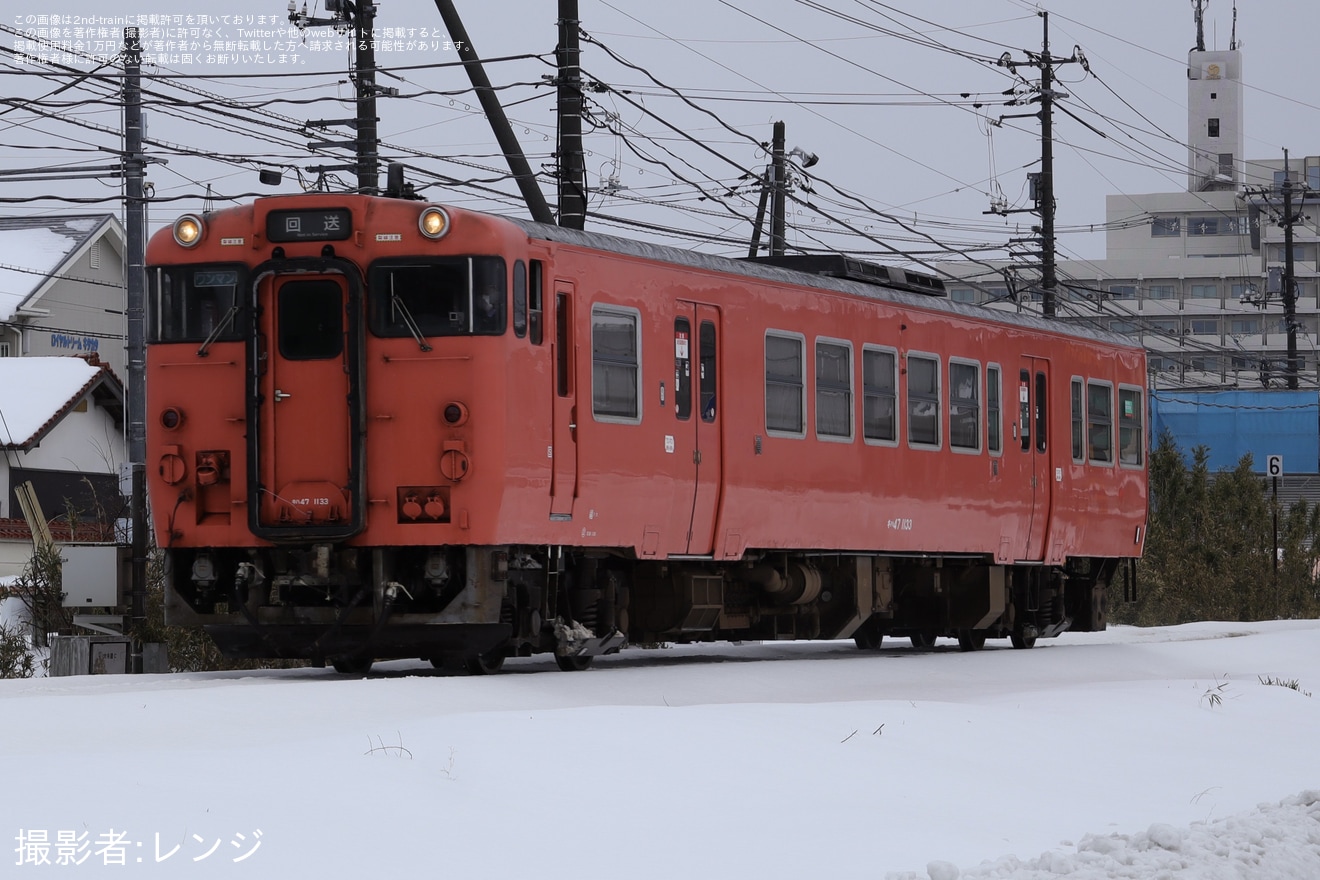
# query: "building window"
{"type": "Point", "coordinates": [1167, 326]}
{"type": "Point", "coordinates": [1100, 422]}
{"type": "Point", "coordinates": [1123, 326]}
{"type": "Point", "coordinates": [1122, 291]}
{"type": "Point", "coordinates": [994, 421]}
{"type": "Point", "coordinates": [1166, 226]}
{"type": "Point", "coordinates": [1204, 364]}
{"type": "Point", "coordinates": [1131, 439]}
{"type": "Point", "coordinates": [1161, 291]}
{"type": "Point", "coordinates": [1238, 326]}
{"type": "Point", "coordinates": [4, 349]}
{"type": "Point", "coordinates": [923, 393]}
{"type": "Point", "coordinates": [1279, 253]}
{"type": "Point", "coordinates": [962, 294]}
{"type": "Point", "coordinates": [833, 390]}
{"type": "Point", "coordinates": [1226, 164]}
{"type": "Point", "coordinates": [784, 386]}
{"type": "Point", "coordinates": [879, 411]}
{"type": "Point", "coordinates": [1205, 291]}
{"type": "Point", "coordinates": [1212, 127]}
{"type": "Point", "coordinates": [964, 405]}
{"type": "Point", "coordinates": [615, 363]}
{"type": "Point", "coordinates": [1204, 326]}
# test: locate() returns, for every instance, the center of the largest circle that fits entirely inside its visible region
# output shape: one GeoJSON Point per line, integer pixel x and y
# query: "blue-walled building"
{"type": "Point", "coordinates": [1233, 423]}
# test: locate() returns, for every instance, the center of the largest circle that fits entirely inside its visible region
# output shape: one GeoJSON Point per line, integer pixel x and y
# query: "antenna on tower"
{"type": "Point", "coordinates": [1199, 6]}
{"type": "Point", "coordinates": [1232, 39]}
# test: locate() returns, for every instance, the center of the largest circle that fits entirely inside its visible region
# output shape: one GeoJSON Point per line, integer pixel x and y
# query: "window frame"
{"type": "Point", "coordinates": [635, 316]}
{"type": "Point", "coordinates": [1077, 418]}
{"type": "Point", "coordinates": [1140, 463]}
{"type": "Point", "coordinates": [1107, 422]}
{"type": "Point", "coordinates": [997, 423]}
{"type": "Point", "coordinates": [923, 397]}
{"type": "Point", "coordinates": [850, 391]}
{"type": "Point", "coordinates": [893, 395]}
{"type": "Point", "coordinates": [801, 383]}
{"type": "Point", "coordinates": [977, 405]}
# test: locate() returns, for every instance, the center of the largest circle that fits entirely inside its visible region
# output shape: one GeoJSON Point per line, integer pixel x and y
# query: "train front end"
{"type": "Point", "coordinates": [325, 424]}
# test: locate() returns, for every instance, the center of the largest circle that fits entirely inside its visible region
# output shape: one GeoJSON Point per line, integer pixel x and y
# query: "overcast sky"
{"type": "Point", "coordinates": [871, 89]}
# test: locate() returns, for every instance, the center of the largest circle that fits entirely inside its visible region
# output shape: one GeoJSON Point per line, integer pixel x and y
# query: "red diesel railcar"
{"type": "Point", "coordinates": [381, 428]}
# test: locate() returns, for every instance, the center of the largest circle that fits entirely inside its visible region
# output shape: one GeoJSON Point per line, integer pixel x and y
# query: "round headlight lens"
{"type": "Point", "coordinates": [434, 222]}
{"type": "Point", "coordinates": [188, 230]}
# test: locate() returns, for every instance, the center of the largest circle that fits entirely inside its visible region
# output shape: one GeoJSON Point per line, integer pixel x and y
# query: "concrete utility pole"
{"type": "Point", "coordinates": [1289, 292]}
{"type": "Point", "coordinates": [1044, 200]}
{"type": "Point", "coordinates": [135, 245]}
{"type": "Point", "coordinates": [357, 17]}
{"type": "Point", "coordinates": [572, 167]}
{"type": "Point", "coordinates": [499, 123]}
{"type": "Point", "coordinates": [778, 191]}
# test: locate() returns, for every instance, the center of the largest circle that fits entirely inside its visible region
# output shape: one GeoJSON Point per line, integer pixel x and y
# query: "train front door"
{"type": "Point", "coordinates": [306, 406]}
{"type": "Point", "coordinates": [563, 452]}
{"type": "Point", "coordinates": [1034, 445]}
{"type": "Point", "coordinates": [697, 408]}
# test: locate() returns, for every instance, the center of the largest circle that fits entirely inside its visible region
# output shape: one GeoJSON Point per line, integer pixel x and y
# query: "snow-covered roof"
{"type": "Point", "coordinates": [34, 249]}
{"type": "Point", "coordinates": [36, 392]}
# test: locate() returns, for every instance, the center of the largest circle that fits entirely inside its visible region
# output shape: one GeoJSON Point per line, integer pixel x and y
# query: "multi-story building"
{"type": "Point", "coordinates": [1197, 275]}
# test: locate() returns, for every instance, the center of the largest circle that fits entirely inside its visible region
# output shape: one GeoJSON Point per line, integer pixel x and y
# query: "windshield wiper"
{"type": "Point", "coordinates": [219, 328]}
{"type": "Point", "coordinates": [397, 302]}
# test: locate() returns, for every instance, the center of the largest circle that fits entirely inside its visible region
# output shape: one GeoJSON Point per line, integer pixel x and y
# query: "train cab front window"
{"type": "Point", "coordinates": [452, 296]}
{"type": "Point", "coordinates": [195, 303]}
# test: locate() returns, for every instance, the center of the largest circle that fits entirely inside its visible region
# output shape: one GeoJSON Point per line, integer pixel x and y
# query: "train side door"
{"type": "Point", "coordinates": [563, 454]}
{"type": "Point", "coordinates": [1034, 446]}
{"type": "Point", "coordinates": [306, 406]}
{"type": "Point", "coordinates": [697, 340]}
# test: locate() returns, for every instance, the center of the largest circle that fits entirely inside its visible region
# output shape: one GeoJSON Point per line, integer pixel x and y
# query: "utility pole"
{"type": "Point", "coordinates": [135, 246]}
{"type": "Point", "coordinates": [778, 191]}
{"type": "Point", "coordinates": [1289, 292]}
{"type": "Point", "coordinates": [357, 17]}
{"type": "Point", "coordinates": [499, 123]}
{"type": "Point", "coordinates": [1287, 278]}
{"type": "Point", "coordinates": [1044, 194]}
{"type": "Point", "coordinates": [572, 168]}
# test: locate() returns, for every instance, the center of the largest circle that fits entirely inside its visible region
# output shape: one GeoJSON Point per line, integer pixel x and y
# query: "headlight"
{"type": "Point", "coordinates": [434, 222]}
{"type": "Point", "coordinates": [188, 230]}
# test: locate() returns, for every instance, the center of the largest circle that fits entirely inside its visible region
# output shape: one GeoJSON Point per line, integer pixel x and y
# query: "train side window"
{"type": "Point", "coordinates": [994, 419]}
{"type": "Point", "coordinates": [534, 308]}
{"type": "Point", "coordinates": [923, 393]}
{"type": "Point", "coordinates": [682, 368]}
{"type": "Point", "coordinates": [1131, 437]}
{"type": "Point", "coordinates": [1042, 417]}
{"type": "Point", "coordinates": [615, 363]}
{"type": "Point", "coordinates": [965, 405]}
{"type": "Point", "coordinates": [707, 386]}
{"type": "Point", "coordinates": [785, 388]}
{"type": "Point", "coordinates": [519, 299]}
{"type": "Point", "coordinates": [834, 392]}
{"type": "Point", "coordinates": [562, 324]}
{"type": "Point", "coordinates": [1100, 422]}
{"type": "Point", "coordinates": [1024, 408]}
{"type": "Point", "coordinates": [879, 396]}
{"type": "Point", "coordinates": [1078, 421]}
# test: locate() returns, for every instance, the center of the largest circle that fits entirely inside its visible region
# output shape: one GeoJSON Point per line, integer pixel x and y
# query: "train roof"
{"type": "Point", "coordinates": [763, 271]}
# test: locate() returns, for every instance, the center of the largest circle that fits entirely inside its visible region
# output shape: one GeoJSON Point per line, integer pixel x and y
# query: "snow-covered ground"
{"type": "Point", "coordinates": [1131, 753]}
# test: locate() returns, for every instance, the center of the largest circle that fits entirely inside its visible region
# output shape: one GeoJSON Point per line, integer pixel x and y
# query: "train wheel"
{"type": "Point", "coordinates": [924, 639]}
{"type": "Point", "coordinates": [352, 665]}
{"type": "Point", "coordinates": [572, 663]}
{"type": "Point", "coordinates": [868, 638]}
{"type": "Point", "coordinates": [970, 640]}
{"type": "Point", "coordinates": [485, 664]}
{"type": "Point", "coordinates": [1022, 642]}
